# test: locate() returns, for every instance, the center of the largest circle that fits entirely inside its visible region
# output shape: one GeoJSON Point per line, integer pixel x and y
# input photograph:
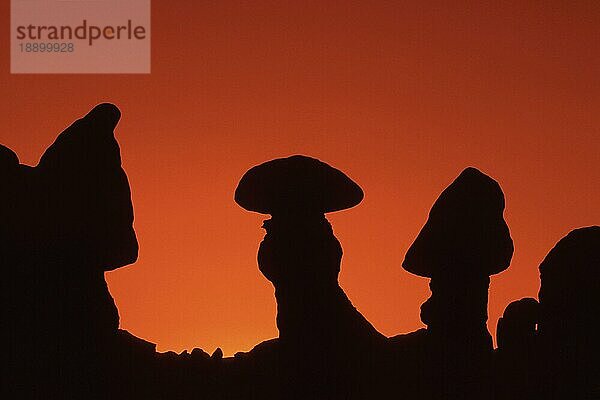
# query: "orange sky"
{"type": "Point", "coordinates": [400, 97]}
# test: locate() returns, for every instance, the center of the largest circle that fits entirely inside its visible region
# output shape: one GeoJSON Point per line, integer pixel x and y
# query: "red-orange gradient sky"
{"type": "Point", "coordinates": [400, 97]}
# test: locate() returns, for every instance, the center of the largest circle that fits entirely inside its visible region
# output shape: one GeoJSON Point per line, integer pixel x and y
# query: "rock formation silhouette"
{"type": "Point", "coordinates": [464, 241]}
{"type": "Point", "coordinates": [550, 350]}
{"type": "Point", "coordinates": [517, 327]}
{"type": "Point", "coordinates": [323, 340]}
{"type": "Point", "coordinates": [569, 308]}
{"type": "Point", "coordinates": [516, 369]}
{"type": "Point", "coordinates": [65, 222]}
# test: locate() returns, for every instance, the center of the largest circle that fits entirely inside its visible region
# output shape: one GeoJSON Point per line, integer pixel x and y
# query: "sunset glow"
{"type": "Point", "coordinates": [399, 97]}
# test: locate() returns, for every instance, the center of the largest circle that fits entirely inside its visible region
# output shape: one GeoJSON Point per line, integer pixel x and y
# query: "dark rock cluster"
{"type": "Point", "coordinates": [68, 220]}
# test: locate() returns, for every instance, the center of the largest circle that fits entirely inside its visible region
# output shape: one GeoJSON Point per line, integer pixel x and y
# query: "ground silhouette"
{"type": "Point", "coordinates": [68, 220]}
